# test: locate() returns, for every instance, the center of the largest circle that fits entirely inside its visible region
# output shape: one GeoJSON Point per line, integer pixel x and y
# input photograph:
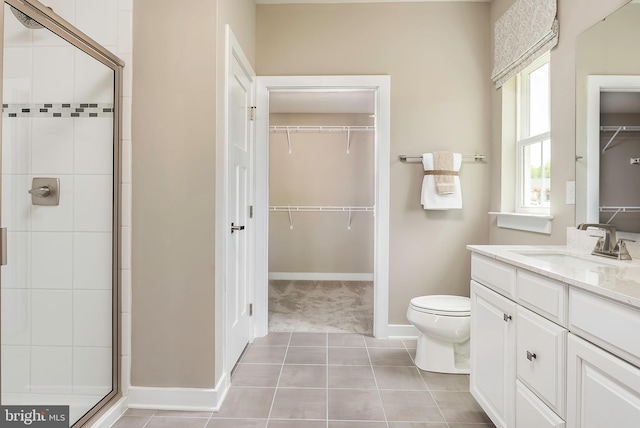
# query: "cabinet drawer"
{"type": "Point", "coordinates": [544, 296]}
{"type": "Point", "coordinates": [533, 413]}
{"type": "Point", "coordinates": [609, 324]}
{"type": "Point", "coordinates": [495, 275]}
{"type": "Point", "coordinates": [540, 358]}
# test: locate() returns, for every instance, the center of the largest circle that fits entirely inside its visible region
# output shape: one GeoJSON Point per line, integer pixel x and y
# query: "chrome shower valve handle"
{"type": "Point", "coordinates": [40, 192]}
{"type": "Point", "coordinates": [45, 191]}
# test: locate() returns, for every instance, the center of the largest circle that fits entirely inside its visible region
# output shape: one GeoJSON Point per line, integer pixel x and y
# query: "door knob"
{"type": "Point", "coordinates": [235, 228]}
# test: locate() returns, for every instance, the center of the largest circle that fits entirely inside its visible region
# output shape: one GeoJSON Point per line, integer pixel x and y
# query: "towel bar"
{"type": "Point", "coordinates": [407, 158]}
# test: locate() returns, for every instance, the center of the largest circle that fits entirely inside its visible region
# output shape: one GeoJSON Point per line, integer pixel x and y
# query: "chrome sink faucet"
{"type": "Point", "coordinates": [608, 245]}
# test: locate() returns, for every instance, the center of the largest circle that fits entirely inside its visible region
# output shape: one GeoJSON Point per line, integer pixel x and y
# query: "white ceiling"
{"type": "Point", "coordinates": [359, 1]}
{"type": "Point", "coordinates": [321, 102]}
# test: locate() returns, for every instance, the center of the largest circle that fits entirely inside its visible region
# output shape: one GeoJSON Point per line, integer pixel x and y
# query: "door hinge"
{"type": "Point", "coordinates": [250, 309]}
{"type": "Point", "coordinates": [250, 211]}
{"type": "Point", "coordinates": [252, 113]}
{"type": "Point", "coordinates": [3, 246]}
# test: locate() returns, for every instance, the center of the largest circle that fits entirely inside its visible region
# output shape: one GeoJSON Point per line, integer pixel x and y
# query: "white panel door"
{"type": "Point", "coordinates": [240, 139]}
{"type": "Point", "coordinates": [492, 381]}
{"type": "Point", "coordinates": [602, 389]}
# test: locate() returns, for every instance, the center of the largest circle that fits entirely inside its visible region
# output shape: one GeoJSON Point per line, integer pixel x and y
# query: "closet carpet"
{"type": "Point", "coordinates": [321, 306]}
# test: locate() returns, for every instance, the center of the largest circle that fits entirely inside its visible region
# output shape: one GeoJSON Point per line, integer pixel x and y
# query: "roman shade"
{"type": "Point", "coordinates": [527, 30]}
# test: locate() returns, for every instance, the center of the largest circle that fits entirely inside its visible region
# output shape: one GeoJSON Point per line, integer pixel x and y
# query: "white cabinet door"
{"type": "Point", "coordinates": [531, 412]}
{"type": "Point", "coordinates": [492, 354]}
{"type": "Point", "coordinates": [602, 390]}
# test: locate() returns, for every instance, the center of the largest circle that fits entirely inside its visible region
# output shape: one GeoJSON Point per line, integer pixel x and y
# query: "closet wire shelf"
{"type": "Point", "coordinates": [347, 128]}
{"type": "Point", "coordinates": [320, 208]}
{"type": "Point", "coordinates": [618, 210]}
{"type": "Point", "coordinates": [616, 130]}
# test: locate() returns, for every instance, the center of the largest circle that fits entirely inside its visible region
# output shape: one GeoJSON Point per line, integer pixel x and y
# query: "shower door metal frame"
{"type": "Point", "coordinates": [58, 25]}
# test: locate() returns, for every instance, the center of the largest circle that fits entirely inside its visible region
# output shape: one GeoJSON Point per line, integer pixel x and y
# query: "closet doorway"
{"type": "Point", "coordinates": [322, 204]}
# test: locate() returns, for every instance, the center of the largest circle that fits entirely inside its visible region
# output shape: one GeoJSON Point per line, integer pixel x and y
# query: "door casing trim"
{"type": "Point", "coordinates": [381, 86]}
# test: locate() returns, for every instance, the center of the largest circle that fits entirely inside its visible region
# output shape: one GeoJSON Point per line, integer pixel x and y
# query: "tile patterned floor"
{"type": "Point", "coordinates": [319, 380]}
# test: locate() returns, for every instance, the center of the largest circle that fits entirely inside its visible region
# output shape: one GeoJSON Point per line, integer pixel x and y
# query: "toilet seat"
{"type": "Point", "coordinates": [453, 306]}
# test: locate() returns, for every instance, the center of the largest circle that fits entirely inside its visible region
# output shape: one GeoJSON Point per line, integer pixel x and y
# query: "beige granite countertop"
{"type": "Point", "coordinates": [614, 279]}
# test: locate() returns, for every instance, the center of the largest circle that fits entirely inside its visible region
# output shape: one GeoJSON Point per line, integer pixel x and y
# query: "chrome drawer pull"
{"type": "Point", "coordinates": [531, 356]}
{"type": "Point", "coordinates": [507, 318]}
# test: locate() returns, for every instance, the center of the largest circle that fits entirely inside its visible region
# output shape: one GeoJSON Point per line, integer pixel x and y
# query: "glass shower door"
{"type": "Point", "coordinates": [57, 288]}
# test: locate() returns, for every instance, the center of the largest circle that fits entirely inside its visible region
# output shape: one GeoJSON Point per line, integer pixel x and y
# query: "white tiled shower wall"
{"type": "Point", "coordinates": [69, 244]}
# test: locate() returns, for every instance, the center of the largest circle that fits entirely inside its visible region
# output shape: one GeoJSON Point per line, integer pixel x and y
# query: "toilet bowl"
{"type": "Point", "coordinates": [443, 324]}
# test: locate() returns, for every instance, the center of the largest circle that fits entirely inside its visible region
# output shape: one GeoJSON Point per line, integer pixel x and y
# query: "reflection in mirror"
{"type": "Point", "coordinates": [608, 116]}
{"type": "Point", "coordinates": [620, 145]}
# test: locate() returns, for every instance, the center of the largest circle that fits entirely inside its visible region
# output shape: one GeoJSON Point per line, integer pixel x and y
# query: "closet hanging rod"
{"type": "Point", "coordinates": [618, 210]}
{"type": "Point", "coordinates": [318, 208]}
{"type": "Point", "coordinates": [605, 209]}
{"type": "Point", "coordinates": [620, 128]}
{"type": "Point", "coordinates": [283, 128]}
{"type": "Point", "coordinates": [407, 158]}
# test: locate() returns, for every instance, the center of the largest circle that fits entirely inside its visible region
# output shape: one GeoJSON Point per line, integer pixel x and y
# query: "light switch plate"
{"type": "Point", "coordinates": [571, 193]}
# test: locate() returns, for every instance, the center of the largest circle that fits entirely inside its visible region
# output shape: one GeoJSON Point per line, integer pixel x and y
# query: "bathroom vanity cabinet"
{"type": "Point", "coordinates": [545, 353]}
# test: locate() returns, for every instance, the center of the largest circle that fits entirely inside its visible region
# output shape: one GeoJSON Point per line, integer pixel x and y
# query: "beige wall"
{"type": "Point", "coordinates": [174, 152]}
{"type": "Point", "coordinates": [437, 55]}
{"type": "Point", "coordinates": [318, 171]}
{"type": "Point", "coordinates": [574, 18]}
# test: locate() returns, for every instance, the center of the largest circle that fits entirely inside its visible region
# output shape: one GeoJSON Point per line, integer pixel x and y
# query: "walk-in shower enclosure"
{"type": "Point", "coordinates": [60, 202]}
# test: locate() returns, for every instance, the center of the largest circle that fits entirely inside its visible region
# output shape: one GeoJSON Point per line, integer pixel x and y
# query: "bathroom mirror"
{"type": "Point", "coordinates": [608, 121]}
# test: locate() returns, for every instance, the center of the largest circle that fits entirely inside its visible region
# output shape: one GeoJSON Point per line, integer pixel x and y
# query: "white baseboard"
{"type": "Point", "coordinates": [320, 276]}
{"type": "Point", "coordinates": [402, 331]}
{"type": "Point", "coordinates": [112, 415]}
{"type": "Point", "coordinates": [189, 399]}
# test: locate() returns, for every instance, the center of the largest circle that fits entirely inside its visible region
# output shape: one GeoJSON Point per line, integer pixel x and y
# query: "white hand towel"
{"type": "Point", "coordinates": [430, 198]}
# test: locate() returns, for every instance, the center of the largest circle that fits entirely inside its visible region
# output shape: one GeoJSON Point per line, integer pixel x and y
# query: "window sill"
{"type": "Point", "coordinates": [538, 223]}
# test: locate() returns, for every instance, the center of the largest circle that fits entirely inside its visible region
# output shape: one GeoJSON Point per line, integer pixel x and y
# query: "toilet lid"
{"type": "Point", "coordinates": [453, 305]}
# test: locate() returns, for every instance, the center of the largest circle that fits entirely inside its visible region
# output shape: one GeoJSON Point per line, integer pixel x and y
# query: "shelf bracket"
{"type": "Point", "coordinates": [613, 137]}
{"type": "Point", "coordinates": [613, 216]}
{"type": "Point", "coordinates": [289, 139]}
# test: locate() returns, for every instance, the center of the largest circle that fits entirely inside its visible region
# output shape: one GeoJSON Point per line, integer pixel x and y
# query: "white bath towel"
{"type": "Point", "coordinates": [430, 198]}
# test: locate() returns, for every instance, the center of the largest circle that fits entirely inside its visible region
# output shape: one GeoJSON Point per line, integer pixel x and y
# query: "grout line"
{"type": "Point", "coordinates": [327, 378]}
{"type": "Point", "coordinates": [148, 420]}
{"type": "Point", "coordinates": [426, 384]}
{"type": "Point", "coordinates": [275, 391]}
{"type": "Point", "coordinates": [437, 405]}
{"type": "Point", "coordinates": [375, 379]}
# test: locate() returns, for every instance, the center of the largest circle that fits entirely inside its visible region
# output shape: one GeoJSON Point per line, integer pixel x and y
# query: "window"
{"type": "Point", "coordinates": [533, 145]}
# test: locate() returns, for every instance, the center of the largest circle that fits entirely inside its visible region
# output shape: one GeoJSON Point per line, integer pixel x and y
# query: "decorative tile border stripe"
{"type": "Point", "coordinates": [58, 110]}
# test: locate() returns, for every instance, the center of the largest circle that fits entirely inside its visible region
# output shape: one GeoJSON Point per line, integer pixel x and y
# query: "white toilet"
{"type": "Point", "coordinates": [443, 323]}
